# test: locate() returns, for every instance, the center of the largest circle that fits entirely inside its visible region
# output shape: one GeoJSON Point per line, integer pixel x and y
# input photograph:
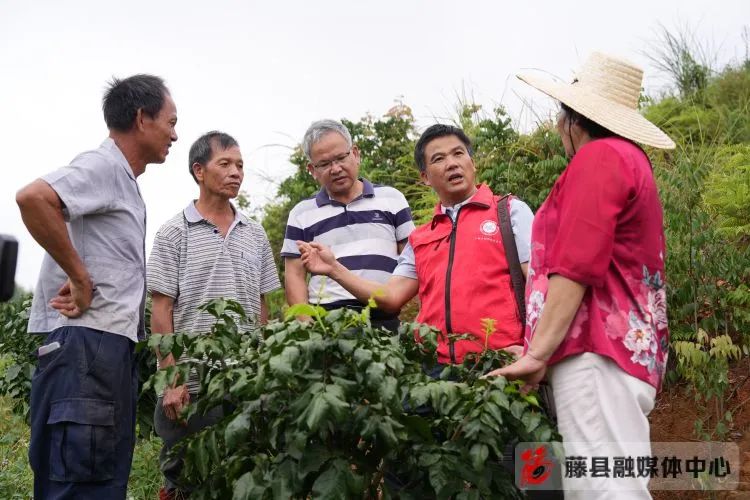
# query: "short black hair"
{"type": "Point", "coordinates": [204, 147]}
{"type": "Point", "coordinates": [592, 128]}
{"type": "Point", "coordinates": [123, 98]}
{"type": "Point", "coordinates": [434, 132]}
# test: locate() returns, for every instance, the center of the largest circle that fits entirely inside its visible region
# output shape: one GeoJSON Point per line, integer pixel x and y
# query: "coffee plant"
{"type": "Point", "coordinates": [334, 408]}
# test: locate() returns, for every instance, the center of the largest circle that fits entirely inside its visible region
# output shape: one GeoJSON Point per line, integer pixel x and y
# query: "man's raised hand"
{"type": "Point", "coordinates": [317, 258]}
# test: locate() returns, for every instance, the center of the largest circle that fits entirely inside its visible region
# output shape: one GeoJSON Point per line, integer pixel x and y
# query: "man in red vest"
{"type": "Point", "coordinates": [456, 262]}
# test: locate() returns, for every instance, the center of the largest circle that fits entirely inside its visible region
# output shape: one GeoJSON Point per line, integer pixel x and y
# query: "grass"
{"type": "Point", "coordinates": [16, 479]}
{"type": "Point", "coordinates": [15, 475]}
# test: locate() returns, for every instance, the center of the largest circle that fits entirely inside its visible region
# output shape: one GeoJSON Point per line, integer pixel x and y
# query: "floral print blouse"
{"type": "Point", "coordinates": [602, 226]}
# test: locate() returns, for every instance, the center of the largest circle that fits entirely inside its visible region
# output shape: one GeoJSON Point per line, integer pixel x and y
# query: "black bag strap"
{"type": "Point", "coordinates": [519, 285]}
{"type": "Point", "coordinates": [511, 255]}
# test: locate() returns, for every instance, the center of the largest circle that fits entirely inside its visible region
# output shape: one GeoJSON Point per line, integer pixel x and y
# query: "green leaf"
{"type": "Point", "coordinates": [313, 458]}
{"type": "Point", "coordinates": [418, 426]}
{"type": "Point", "coordinates": [212, 446]}
{"type": "Point", "coordinates": [395, 364]}
{"type": "Point", "coordinates": [240, 383]}
{"type": "Point", "coordinates": [493, 409]}
{"type": "Point", "coordinates": [427, 460]}
{"type": "Point", "coordinates": [282, 364]}
{"type": "Point", "coordinates": [386, 431]}
{"type": "Point", "coordinates": [532, 399]}
{"type": "Point", "coordinates": [517, 408]}
{"type": "Point", "coordinates": [387, 389]}
{"type": "Point", "coordinates": [375, 373]}
{"type": "Point", "coordinates": [479, 453]}
{"type": "Point", "coordinates": [316, 411]}
{"type": "Point", "coordinates": [438, 478]}
{"type": "Point", "coordinates": [531, 421]}
{"type": "Point", "coordinates": [362, 357]}
{"type": "Point", "coordinates": [331, 484]}
{"type": "Point", "coordinates": [12, 372]}
{"type": "Point", "coordinates": [347, 346]}
{"type": "Point", "coordinates": [304, 310]}
{"type": "Point", "coordinates": [237, 431]}
{"type": "Point", "coordinates": [282, 486]}
{"type": "Point", "coordinates": [165, 345]}
{"type": "Point", "coordinates": [245, 488]}
{"type": "Point", "coordinates": [419, 395]}
{"type": "Point", "coordinates": [338, 407]}
{"type": "Point", "coordinates": [200, 457]}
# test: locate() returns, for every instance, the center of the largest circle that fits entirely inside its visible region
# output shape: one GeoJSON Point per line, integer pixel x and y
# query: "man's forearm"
{"type": "Point", "coordinates": [363, 289]}
{"type": "Point", "coordinates": [295, 285]}
{"type": "Point", "coordinates": [162, 324]}
{"type": "Point", "coordinates": [295, 293]}
{"type": "Point", "coordinates": [41, 211]}
{"type": "Point", "coordinates": [561, 305]}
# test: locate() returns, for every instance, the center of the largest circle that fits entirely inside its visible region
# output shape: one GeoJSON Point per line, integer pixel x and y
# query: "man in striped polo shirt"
{"type": "Point", "coordinates": [207, 251]}
{"type": "Point", "coordinates": [366, 225]}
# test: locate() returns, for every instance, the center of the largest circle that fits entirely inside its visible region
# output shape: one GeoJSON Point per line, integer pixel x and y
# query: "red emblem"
{"type": "Point", "coordinates": [536, 468]}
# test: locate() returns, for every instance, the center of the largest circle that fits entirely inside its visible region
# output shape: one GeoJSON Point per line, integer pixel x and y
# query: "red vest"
{"type": "Point", "coordinates": [463, 277]}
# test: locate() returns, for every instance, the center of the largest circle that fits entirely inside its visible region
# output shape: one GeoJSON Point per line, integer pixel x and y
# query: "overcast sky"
{"type": "Point", "coordinates": [263, 70]}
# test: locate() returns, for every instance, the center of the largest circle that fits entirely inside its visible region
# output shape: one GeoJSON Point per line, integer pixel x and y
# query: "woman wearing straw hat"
{"type": "Point", "coordinates": [596, 304]}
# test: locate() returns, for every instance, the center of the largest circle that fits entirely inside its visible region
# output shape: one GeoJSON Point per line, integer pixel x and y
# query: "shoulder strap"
{"type": "Point", "coordinates": [511, 255]}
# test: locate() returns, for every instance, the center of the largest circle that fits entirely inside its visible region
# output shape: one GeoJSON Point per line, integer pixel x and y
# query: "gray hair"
{"type": "Point", "coordinates": [318, 129]}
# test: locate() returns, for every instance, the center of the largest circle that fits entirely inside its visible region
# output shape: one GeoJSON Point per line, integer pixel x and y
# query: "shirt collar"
{"type": "Point", "coordinates": [192, 214]}
{"type": "Point", "coordinates": [109, 145]}
{"type": "Point", "coordinates": [455, 207]}
{"type": "Point", "coordinates": [322, 198]}
{"type": "Point", "coordinates": [482, 198]}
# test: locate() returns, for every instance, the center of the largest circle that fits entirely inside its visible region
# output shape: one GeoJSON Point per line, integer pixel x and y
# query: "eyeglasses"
{"type": "Point", "coordinates": [325, 165]}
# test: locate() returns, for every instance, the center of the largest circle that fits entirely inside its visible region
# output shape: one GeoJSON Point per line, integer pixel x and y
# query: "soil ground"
{"type": "Point", "coordinates": [674, 416]}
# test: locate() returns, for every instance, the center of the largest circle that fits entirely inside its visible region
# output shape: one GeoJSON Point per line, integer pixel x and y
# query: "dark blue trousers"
{"type": "Point", "coordinates": [83, 404]}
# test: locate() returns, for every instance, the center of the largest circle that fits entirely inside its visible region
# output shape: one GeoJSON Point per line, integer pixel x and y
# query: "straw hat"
{"type": "Point", "coordinates": [606, 91]}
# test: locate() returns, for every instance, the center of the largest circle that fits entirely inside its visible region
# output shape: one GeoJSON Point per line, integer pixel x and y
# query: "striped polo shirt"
{"type": "Point", "coordinates": [362, 234]}
{"type": "Point", "coordinates": [192, 263]}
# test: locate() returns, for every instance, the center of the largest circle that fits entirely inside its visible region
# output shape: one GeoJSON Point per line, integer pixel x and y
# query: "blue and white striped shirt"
{"type": "Point", "coordinates": [363, 235]}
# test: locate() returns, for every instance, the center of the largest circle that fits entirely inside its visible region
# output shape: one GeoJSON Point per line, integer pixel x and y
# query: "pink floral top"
{"type": "Point", "coordinates": [602, 226]}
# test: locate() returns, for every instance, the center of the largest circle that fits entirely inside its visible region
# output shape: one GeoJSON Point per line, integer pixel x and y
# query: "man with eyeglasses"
{"type": "Point", "coordinates": [366, 225]}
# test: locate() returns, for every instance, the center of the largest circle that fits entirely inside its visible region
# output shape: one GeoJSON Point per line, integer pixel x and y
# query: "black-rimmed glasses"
{"type": "Point", "coordinates": [325, 165]}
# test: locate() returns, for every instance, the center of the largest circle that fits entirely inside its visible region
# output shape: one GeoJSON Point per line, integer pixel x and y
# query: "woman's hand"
{"type": "Point", "coordinates": [526, 368]}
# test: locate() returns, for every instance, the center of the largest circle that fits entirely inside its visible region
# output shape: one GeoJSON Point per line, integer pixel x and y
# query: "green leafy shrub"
{"type": "Point", "coordinates": [325, 409]}
{"type": "Point", "coordinates": [17, 349]}
{"type": "Point", "coordinates": [727, 193]}
{"type": "Point", "coordinates": [145, 359]}
{"type": "Point", "coordinates": [705, 364]}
